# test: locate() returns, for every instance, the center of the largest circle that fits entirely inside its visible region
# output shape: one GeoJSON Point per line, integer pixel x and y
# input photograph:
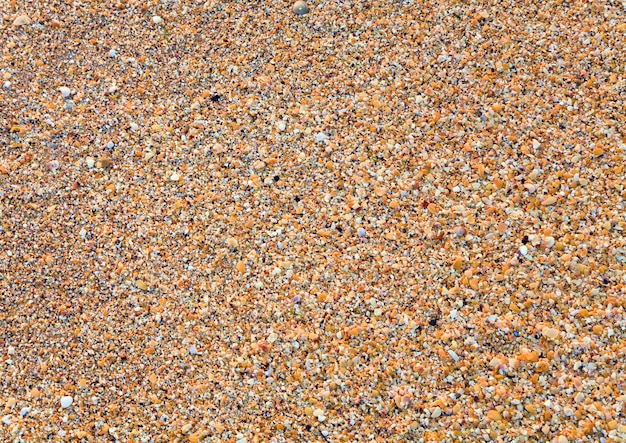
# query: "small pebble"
{"type": "Point", "coordinates": [550, 333]}
{"type": "Point", "coordinates": [156, 19]}
{"type": "Point", "coordinates": [66, 401]}
{"type": "Point", "coordinates": [300, 8]}
{"type": "Point", "coordinates": [6, 420]}
{"type": "Point", "coordinates": [321, 137]}
{"type": "Point", "coordinates": [65, 91]}
{"type": "Point", "coordinates": [361, 232]}
{"type": "Point", "coordinates": [113, 53]}
{"type": "Point", "coordinates": [21, 20]}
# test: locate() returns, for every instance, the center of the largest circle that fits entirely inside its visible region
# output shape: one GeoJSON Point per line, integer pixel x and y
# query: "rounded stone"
{"type": "Point", "coordinates": [66, 401]}
{"type": "Point", "coordinates": [300, 8]}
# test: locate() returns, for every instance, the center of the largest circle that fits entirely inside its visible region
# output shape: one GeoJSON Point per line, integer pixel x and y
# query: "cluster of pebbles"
{"type": "Point", "coordinates": [331, 221]}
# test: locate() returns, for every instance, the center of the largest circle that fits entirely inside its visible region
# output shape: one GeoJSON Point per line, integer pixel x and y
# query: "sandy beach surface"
{"type": "Point", "coordinates": [331, 221]}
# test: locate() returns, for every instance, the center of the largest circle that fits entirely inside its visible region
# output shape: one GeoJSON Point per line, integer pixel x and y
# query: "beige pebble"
{"type": "Point", "coordinates": [549, 201]}
{"type": "Point", "coordinates": [550, 333]}
{"type": "Point", "coordinates": [21, 20]}
{"type": "Point", "coordinates": [141, 285]}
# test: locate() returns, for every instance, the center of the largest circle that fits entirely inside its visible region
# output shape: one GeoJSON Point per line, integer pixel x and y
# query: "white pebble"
{"type": "Point", "coordinates": [65, 91]}
{"type": "Point", "coordinates": [24, 412]}
{"type": "Point", "coordinates": [174, 177]}
{"type": "Point", "coordinates": [156, 19]}
{"type": "Point", "coordinates": [361, 232]}
{"type": "Point", "coordinates": [7, 84]}
{"type": "Point", "coordinates": [320, 137]}
{"type": "Point", "coordinates": [90, 162]}
{"type": "Point", "coordinates": [282, 126]}
{"type": "Point", "coordinates": [6, 420]}
{"type": "Point", "coordinates": [193, 350]}
{"type": "Point", "coordinates": [113, 53]}
{"type": "Point", "coordinates": [134, 126]}
{"type": "Point", "coordinates": [110, 145]}
{"type": "Point", "coordinates": [453, 354]}
{"type": "Point", "coordinates": [66, 401]}
{"type": "Point", "coordinates": [523, 250]}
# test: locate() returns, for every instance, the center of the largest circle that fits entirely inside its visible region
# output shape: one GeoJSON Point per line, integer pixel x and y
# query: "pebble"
{"type": "Point", "coordinates": [21, 20]}
{"type": "Point", "coordinates": [66, 401]}
{"type": "Point", "coordinates": [6, 420]}
{"type": "Point", "coordinates": [174, 177]}
{"type": "Point", "coordinates": [321, 137]}
{"type": "Point", "coordinates": [103, 163]}
{"type": "Point", "coordinates": [140, 284]}
{"type": "Point", "coordinates": [113, 53]}
{"type": "Point", "coordinates": [65, 91]}
{"type": "Point", "coordinates": [156, 19]}
{"type": "Point", "coordinates": [361, 232]}
{"type": "Point", "coordinates": [91, 162]}
{"type": "Point", "coordinates": [550, 333]}
{"type": "Point", "coordinates": [549, 201]}
{"type": "Point", "coordinates": [300, 8]}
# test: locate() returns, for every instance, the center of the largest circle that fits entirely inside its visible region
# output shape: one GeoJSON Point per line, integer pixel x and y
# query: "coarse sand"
{"type": "Point", "coordinates": [337, 221]}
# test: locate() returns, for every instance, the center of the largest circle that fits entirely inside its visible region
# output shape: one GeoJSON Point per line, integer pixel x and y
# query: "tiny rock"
{"type": "Point", "coordinates": [65, 91]}
{"type": "Point", "coordinates": [300, 8]}
{"type": "Point", "coordinates": [21, 20]}
{"type": "Point", "coordinates": [241, 267]}
{"type": "Point", "coordinates": [103, 163]}
{"type": "Point", "coordinates": [141, 285]}
{"type": "Point", "coordinates": [66, 401]}
{"type": "Point", "coordinates": [156, 19]}
{"type": "Point", "coordinates": [459, 231]}
{"type": "Point", "coordinates": [550, 333]}
{"type": "Point", "coordinates": [549, 201]}
{"type": "Point", "coordinates": [494, 415]}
